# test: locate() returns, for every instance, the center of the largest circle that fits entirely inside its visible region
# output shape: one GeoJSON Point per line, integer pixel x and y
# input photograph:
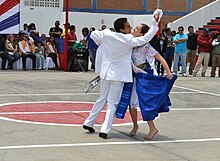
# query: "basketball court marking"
{"type": "Point", "coordinates": [106, 143]}
{"type": "Point", "coordinates": [116, 143]}
{"type": "Point", "coordinates": [67, 94]}
{"type": "Point", "coordinates": [34, 113]}
{"type": "Point", "coordinates": [198, 91]}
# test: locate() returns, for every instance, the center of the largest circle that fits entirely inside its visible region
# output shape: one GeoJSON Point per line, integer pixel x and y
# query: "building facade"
{"type": "Point", "coordinates": [173, 9]}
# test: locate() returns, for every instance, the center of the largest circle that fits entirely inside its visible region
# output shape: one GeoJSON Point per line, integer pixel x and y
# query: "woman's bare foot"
{"type": "Point", "coordinates": [133, 131]}
{"type": "Point", "coordinates": [151, 134]}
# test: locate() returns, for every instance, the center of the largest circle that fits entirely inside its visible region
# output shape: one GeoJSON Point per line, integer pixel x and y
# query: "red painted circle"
{"type": "Point", "coordinates": [58, 113]}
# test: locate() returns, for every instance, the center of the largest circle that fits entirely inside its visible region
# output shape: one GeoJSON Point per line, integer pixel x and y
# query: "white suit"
{"type": "Point", "coordinates": [113, 64]}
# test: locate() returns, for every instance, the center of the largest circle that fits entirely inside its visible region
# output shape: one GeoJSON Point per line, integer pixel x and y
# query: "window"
{"type": "Point", "coordinates": [42, 3]}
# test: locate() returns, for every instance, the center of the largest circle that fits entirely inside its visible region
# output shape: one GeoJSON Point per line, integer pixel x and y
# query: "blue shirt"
{"type": "Point", "coordinates": [180, 47]}
{"type": "Point", "coordinates": [91, 44]}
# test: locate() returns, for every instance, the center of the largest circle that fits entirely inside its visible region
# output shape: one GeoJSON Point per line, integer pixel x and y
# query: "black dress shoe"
{"type": "Point", "coordinates": [90, 129]}
{"type": "Point", "coordinates": [103, 135]}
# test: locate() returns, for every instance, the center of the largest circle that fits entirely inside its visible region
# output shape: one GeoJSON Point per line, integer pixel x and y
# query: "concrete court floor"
{"type": "Point", "coordinates": [189, 132]}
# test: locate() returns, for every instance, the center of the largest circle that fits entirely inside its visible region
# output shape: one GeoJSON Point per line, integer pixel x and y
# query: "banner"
{"type": "Point", "coordinates": [9, 16]}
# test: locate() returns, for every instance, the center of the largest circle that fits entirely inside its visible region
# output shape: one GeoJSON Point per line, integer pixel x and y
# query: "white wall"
{"type": "Point", "coordinates": [44, 18]}
{"type": "Point", "coordinates": [199, 17]}
{"type": "Point", "coordinates": [81, 20]}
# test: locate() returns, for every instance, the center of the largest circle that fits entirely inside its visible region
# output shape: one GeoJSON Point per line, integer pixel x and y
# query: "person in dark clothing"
{"type": "Point", "coordinates": [191, 48]}
{"type": "Point", "coordinates": [3, 55]}
{"type": "Point", "coordinates": [56, 31]}
{"type": "Point", "coordinates": [168, 48]}
{"type": "Point", "coordinates": [92, 47]}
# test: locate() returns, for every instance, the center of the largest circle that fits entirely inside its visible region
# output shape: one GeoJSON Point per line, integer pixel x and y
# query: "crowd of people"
{"type": "Point", "coordinates": [177, 48]}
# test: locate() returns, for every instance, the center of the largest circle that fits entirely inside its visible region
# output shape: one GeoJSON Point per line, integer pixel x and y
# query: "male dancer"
{"type": "Point", "coordinates": [113, 64]}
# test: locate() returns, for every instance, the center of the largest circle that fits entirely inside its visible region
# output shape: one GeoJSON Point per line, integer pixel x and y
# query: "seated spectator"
{"type": "Point", "coordinates": [39, 52]}
{"type": "Point", "coordinates": [56, 31]}
{"type": "Point", "coordinates": [12, 50]}
{"type": "Point", "coordinates": [26, 47]}
{"type": "Point", "coordinates": [2, 52]}
{"type": "Point", "coordinates": [52, 51]}
{"type": "Point", "coordinates": [44, 43]}
{"type": "Point", "coordinates": [72, 35]}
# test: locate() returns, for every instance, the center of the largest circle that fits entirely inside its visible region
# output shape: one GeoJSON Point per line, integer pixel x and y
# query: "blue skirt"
{"type": "Point", "coordinates": [153, 95]}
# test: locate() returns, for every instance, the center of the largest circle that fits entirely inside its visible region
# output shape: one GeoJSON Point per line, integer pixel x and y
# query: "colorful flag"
{"type": "Point", "coordinates": [9, 16]}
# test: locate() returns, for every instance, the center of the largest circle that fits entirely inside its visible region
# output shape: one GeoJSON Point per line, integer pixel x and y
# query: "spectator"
{"type": "Point", "coordinates": [39, 52]}
{"type": "Point", "coordinates": [92, 47]}
{"type": "Point", "coordinates": [44, 43]}
{"type": "Point", "coordinates": [167, 48]}
{"type": "Point", "coordinates": [191, 48]}
{"type": "Point", "coordinates": [180, 41]}
{"type": "Point", "coordinates": [204, 41]}
{"type": "Point", "coordinates": [216, 55]}
{"type": "Point", "coordinates": [52, 51]}
{"type": "Point", "coordinates": [56, 31]}
{"type": "Point", "coordinates": [12, 50]}
{"type": "Point", "coordinates": [103, 27]}
{"type": "Point", "coordinates": [26, 47]}
{"type": "Point", "coordinates": [2, 52]}
{"type": "Point", "coordinates": [72, 35]}
{"type": "Point", "coordinates": [85, 33]}
{"type": "Point", "coordinates": [25, 29]}
{"type": "Point", "coordinates": [64, 30]}
{"type": "Point", "coordinates": [112, 29]}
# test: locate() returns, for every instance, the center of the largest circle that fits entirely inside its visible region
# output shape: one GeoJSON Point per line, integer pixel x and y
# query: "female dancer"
{"type": "Point", "coordinates": [148, 90]}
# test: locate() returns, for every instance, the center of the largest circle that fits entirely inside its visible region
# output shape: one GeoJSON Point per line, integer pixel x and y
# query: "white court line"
{"type": "Point", "coordinates": [67, 94]}
{"type": "Point", "coordinates": [106, 143]}
{"type": "Point", "coordinates": [72, 112]}
{"type": "Point", "coordinates": [199, 91]}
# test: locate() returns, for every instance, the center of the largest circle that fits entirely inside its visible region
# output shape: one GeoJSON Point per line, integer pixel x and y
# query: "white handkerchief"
{"type": "Point", "coordinates": [158, 11]}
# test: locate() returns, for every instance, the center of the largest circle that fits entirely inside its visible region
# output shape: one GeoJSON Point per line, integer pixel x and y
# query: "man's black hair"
{"type": "Point", "coordinates": [120, 24]}
{"type": "Point", "coordinates": [181, 27]}
{"type": "Point", "coordinates": [190, 27]}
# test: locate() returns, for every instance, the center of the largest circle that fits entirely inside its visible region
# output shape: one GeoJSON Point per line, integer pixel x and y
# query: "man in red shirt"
{"type": "Point", "coordinates": [204, 41]}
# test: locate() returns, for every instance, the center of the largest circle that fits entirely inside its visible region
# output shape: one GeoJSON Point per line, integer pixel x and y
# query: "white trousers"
{"type": "Point", "coordinates": [110, 92]}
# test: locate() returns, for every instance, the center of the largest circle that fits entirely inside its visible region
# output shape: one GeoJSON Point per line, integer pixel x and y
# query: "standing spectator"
{"type": "Point", "coordinates": [216, 55]}
{"type": "Point", "coordinates": [25, 29]}
{"type": "Point", "coordinates": [103, 27]}
{"type": "Point", "coordinates": [180, 50]}
{"type": "Point", "coordinates": [2, 52]}
{"type": "Point", "coordinates": [191, 48]}
{"type": "Point", "coordinates": [26, 47]}
{"type": "Point", "coordinates": [12, 50]}
{"type": "Point", "coordinates": [92, 47]}
{"type": "Point", "coordinates": [64, 30]}
{"type": "Point", "coordinates": [85, 33]}
{"type": "Point", "coordinates": [167, 48]}
{"type": "Point", "coordinates": [204, 41]}
{"type": "Point", "coordinates": [72, 35]}
{"type": "Point", "coordinates": [56, 31]}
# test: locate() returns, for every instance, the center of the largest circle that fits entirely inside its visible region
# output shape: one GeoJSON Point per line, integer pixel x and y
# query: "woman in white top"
{"type": "Point", "coordinates": [11, 47]}
{"type": "Point", "coordinates": [148, 105]}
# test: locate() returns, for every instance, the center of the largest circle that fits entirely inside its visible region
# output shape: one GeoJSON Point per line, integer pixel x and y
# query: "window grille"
{"type": "Point", "coordinates": [42, 3]}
